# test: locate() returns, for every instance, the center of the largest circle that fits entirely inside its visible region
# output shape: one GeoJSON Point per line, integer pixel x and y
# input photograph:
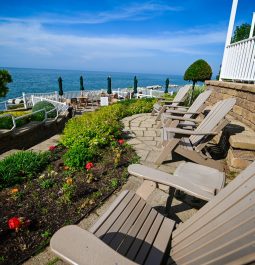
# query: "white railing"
{"type": "Point", "coordinates": [239, 61]}
{"type": "Point", "coordinates": [59, 106]}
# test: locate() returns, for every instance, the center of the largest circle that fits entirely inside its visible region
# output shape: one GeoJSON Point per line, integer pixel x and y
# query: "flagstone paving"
{"type": "Point", "coordinates": [145, 139]}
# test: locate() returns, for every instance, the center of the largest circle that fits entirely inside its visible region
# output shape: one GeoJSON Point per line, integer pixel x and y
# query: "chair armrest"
{"type": "Point", "coordinates": [158, 176]}
{"type": "Point", "coordinates": [187, 132]}
{"type": "Point", "coordinates": [78, 246]}
{"type": "Point", "coordinates": [181, 118]}
{"type": "Point", "coordinates": [180, 112]}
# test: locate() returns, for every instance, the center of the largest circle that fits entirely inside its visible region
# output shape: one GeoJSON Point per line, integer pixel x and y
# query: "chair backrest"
{"type": "Point", "coordinates": [223, 231]}
{"type": "Point", "coordinates": [181, 94]}
{"type": "Point", "coordinates": [198, 103]}
{"type": "Point", "coordinates": [215, 116]}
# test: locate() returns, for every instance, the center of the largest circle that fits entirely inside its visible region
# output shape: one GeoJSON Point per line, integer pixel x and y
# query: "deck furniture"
{"type": "Point", "coordinates": [192, 112]}
{"type": "Point", "coordinates": [196, 180]}
{"type": "Point", "coordinates": [191, 144]}
{"type": "Point", "coordinates": [158, 109]}
{"type": "Point", "coordinates": [132, 232]}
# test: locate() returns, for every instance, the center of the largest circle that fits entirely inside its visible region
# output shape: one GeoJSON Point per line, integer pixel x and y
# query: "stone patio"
{"type": "Point", "coordinates": [145, 138]}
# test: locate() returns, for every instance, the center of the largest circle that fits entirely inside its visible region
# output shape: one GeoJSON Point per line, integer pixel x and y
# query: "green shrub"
{"type": "Point", "coordinates": [198, 90]}
{"type": "Point", "coordinates": [6, 121]}
{"type": "Point", "coordinates": [21, 166]}
{"type": "Point", "coordinates": [86, 134]}
{"type": "Point", "coordinates": [41, 115]}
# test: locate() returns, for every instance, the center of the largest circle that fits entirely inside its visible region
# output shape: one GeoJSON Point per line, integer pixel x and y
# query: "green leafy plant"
{"type": "Point", "coordinates": [21, 166]}
{"type": "Point", "coordinates": [47, 183]}
{"type": "Point", "coordinates": [68, 192]}
{"type": "Point", "coordinates": [5, 78]}
{"type": "Point", "coordinates": [199, 71]}
{"type": "Point", "coordinates": [39, 116]}
{"type": "Point", "coordinates": [6, 121]}
{"type": "Point", "coordinates": [241, 32]}
{"type": "Point", "coordinates": [193, 94]}
{"type": "Point", "coordinates": [86, 134]}
{"type": "Point", "coordinates": [114, 183]}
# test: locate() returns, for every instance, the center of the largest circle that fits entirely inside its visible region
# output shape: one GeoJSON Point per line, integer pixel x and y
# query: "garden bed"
{"type": "Point", "coordinates": [56, 197]}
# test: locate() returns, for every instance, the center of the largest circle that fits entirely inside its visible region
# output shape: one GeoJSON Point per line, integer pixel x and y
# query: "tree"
{"type": "Point", "coordinates": [199, 71]}
{"type": "Point", "coordinates": [5, 78]}
{"type": "Point", "coordinates": [241, 32]}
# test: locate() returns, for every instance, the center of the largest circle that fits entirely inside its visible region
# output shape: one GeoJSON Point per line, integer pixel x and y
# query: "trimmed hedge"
{"type": "Point", "coordinates": [86, 134]}
{"type": "Point", "coordinates": [6, 122]}
{"type": "Point", "coordinates": [41, 115]}
{"type": "Point", "coordinates": [21, 166]}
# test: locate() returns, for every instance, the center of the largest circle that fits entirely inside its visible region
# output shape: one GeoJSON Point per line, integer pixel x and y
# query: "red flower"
{"type": "Point", "coordinates": [89, 165]}
{"type": "Point", "coordinates": [121, 141]}
{"type": "Point", "coordinates": [14, 223]}
{"type": "Point", "coordinates": [52, 147]}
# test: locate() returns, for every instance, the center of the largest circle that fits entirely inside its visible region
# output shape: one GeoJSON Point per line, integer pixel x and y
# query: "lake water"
{"type": "Point", "coordinates": [45, 80]}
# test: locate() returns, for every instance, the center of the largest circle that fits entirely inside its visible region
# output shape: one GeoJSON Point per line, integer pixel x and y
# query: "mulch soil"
{"type": "Point", "coordinates": [49, 202]}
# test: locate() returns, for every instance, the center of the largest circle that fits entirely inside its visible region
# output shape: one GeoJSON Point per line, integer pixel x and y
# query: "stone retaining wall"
{"type": "Point", "coordinates": [244, 109]}
{"type": "Point", "coordinates": [30, 135]}
{"type": "Point", "coordinates": [242, 142]}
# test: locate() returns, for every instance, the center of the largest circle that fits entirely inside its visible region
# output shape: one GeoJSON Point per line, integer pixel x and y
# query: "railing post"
{"type": "Point", "coordinates": [32, 99]}
{"type": "Point", "coordinates": [252, 25]}
{"type": "Point", "coordinates": [229, 34]}
{"type": "Point", "coordinates": [5, 105]}
{"type": "Point", "coordinates": [24, 100]}
{"type": "Point", "coordinates": [56, 95]}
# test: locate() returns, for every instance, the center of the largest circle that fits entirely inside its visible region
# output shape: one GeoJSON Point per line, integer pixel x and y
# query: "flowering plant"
{"type": "Point", "coordinates": [121, 141]}
{"type": "Point", "coordinates": [15, 223]}
{"type": "Point", "coordinates": [89, 165]}
{"type": "Point", "coordinates": [52, 148]}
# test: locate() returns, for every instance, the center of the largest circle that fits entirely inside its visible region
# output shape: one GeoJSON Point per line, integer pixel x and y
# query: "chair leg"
{"type": "Point", "coordinates": [169, 200]}
{"type": "Point", "coordinates": [167, 151]}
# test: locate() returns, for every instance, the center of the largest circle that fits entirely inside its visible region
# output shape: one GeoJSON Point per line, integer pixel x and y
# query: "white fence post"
{"type": "Point", "coordinates": [252, 25]}
{"type": "Point", "coordinates": [32, 99]}
{"type": "Point", "coordinates": [24, 100]}
{"type": "Point", "coordinates": [56, 96]}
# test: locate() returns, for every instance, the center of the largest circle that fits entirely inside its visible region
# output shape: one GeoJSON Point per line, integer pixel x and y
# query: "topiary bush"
{"type": "Point", "coordinates": [86, 134]}
{"type": "Point", "coordinates": [40, 116]}
{"type": "Point", "coordinates": [21, 166]}
{"type": "Point", "coordinates": [199, 71]}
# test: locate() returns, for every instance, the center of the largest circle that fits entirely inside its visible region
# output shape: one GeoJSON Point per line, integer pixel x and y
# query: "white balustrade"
{"type": "Point", "coordinates": [239, 61]}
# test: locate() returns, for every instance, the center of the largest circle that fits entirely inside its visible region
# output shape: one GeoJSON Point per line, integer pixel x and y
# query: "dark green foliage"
{"type": "Point", "coordinates": [199, 71]}
{"type": "Point", "coordinates": [241, 33]}
{"type": "Point", "coordinates": [41, 115]}
{"type": "Point", "coordinates": [86, 134]}
{"type": "Point", "coordinates": [5, 78]}
{"type": "Point", "coordinates": [21, 166]}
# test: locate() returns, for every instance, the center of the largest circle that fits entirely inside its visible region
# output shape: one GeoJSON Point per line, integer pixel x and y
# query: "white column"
{"type": "Point", "coordinates": [231, 22]}
{"type": "Point", "coordinates": [229, 33]}
{"type": "Point", "coordinates": [252, 25]}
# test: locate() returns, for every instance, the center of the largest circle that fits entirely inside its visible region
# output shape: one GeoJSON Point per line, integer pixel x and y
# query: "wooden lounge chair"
{"type": "Point", "coordinates": [196, 180]}
{"type": "Point", "coordinates": [132, 232]}
{"type": "Point", "coordinates": [192, 112]}
{"type": "Point", "coordinates": [158, 109]}
{"type": "Point", "coordinates": [192, 143]}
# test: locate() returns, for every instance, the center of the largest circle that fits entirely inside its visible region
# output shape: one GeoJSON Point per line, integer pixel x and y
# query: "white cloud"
{"type": "Point", "coordinates": [133, 12]}
{"type": "Point", "coordinates": [33, 43]}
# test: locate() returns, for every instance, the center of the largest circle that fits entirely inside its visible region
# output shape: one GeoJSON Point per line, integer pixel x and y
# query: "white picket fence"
{"type": "Point", "coordinates": [239, 61]}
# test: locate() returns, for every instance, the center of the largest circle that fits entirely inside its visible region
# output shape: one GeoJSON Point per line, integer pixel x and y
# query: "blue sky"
{"type": "Point", "coordinates": [146, 36]}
